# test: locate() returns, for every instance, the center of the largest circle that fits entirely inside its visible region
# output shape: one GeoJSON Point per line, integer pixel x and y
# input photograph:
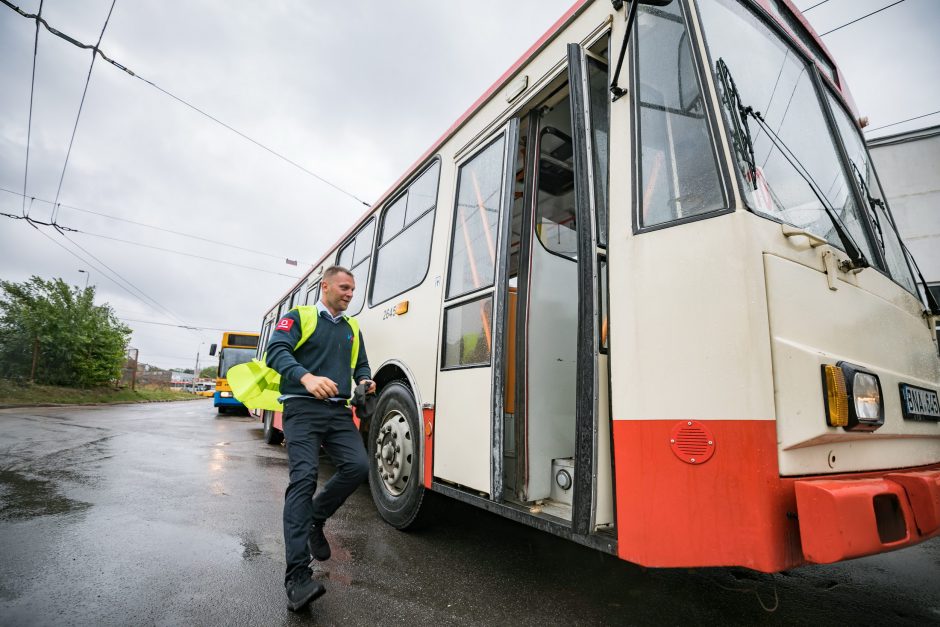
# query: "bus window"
{"type": "Point", "coordinates": [678, 173]}
{"type": "Point", "coordinates": [355, 257]}
{"type": "Point", "coordinates": [600, 126]}
{"type": "Point", "coordinates": [555, 221]}
{"type": "Point", "coordinates": [467, 336]}
{"type": "Point", "coordinates": [473, 248]}
{"type": "Point", "coordinates": [401, 261]}
{"type": "Point", "coordinates": [313, 294]}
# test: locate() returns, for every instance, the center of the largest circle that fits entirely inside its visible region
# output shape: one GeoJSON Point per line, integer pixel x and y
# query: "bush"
{"type": "Point", "coordinates": [73, 341]}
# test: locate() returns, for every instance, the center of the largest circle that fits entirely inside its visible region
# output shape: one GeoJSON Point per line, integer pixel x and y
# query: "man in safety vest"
{"type": "Point", "coordinates": [316, 383]}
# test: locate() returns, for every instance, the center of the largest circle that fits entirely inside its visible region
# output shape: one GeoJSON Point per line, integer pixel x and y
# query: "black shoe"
{"type": "Point", "coordinates": [303, 590]}
{"type": "Point", "coordinates": [317, 545]}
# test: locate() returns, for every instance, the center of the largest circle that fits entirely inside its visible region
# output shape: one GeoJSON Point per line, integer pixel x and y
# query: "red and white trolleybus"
{"type": "Point", "coordinates": [645, 294]}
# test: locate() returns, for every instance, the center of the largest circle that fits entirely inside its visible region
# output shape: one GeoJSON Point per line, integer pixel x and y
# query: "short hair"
{"type": "Point", "coordinates": [332, 271]}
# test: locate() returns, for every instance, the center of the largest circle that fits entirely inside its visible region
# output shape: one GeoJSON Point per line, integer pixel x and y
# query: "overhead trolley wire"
{"type": "Point", "coordinates": [78, 116]}
{"type": "Point", "coordinates": [179, 252]}
{"type": "Point", "coordinates": [115, 273]}
{"type": "Point", "coordinates": [97, 50]}
{"type": "Point", "coordinates": [818, 4]}
{"type": "Point", "coordinates": [61, 229]}
{"type": "Point", "coordinates": [878, 128]}
{"type": "Point", "coordinates": [856, 19]}
{"type": "Point", "coordinates": [29, 126]}
{"type": "Point", "coordinates": [168, 324]}
{"type": "Point", "coordinates": [93, 265]}
{"type": "Point", "coordinates": [157, 228]}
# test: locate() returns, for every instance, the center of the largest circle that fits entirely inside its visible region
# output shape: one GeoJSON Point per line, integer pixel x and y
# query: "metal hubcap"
{"type": "Point", "coordinates": [394, 452]}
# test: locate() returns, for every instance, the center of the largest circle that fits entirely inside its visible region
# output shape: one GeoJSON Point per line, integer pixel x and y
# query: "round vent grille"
{"type": "Point", "coordinates": [692, 442]}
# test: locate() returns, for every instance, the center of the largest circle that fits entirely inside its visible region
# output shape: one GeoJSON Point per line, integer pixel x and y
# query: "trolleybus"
{"type": "Point", "coordinates": [236, 348]}
{"type": "Point", "coordinates": [646, 294]}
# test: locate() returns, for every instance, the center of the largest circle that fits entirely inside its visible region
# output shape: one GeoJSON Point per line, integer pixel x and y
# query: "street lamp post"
{"type": "Point", "coordinates": [196, 369]}
{"type": "Point", "coordinates": [87, 274]}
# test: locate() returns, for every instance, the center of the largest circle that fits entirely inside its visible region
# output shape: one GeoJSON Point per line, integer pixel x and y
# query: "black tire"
{"type": "Point", "coordinates": [399, 501]}
{"type": "Point", "coordinates": [271, 435]}
{"type": "Point", "coordinates": [222, 409]}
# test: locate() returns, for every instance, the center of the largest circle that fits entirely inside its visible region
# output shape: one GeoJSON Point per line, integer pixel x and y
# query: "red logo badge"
{"type": "Point", "coordinates": [284, 325]}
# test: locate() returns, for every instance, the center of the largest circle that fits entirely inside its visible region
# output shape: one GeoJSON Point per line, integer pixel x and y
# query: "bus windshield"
{"type": "Point", "coordinates": [776, 82]}
{"type": "Point", "coordinates": [232, 357]}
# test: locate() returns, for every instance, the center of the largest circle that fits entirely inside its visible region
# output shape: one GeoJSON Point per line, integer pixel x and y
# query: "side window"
{"type": "Point", "coordinates": [294, 298]}
{"type": "Point", "coordinates": [467, 334]}
{"type": "Point", "coordinates": [473, 247]}
{"type": "Point", "coordinates": [598, 83]}
{"type": "Point", "coordinates": [678, 173]}
{"type": "Point", "coordinates": [313, 294]}
{"type": "Point", "coordinates": [355, 256]}
{"type": "Point", "coordinates": [282, 309]}
{"type": "Point", "coordinates": [404, 248]}
{"type": "Point", "coordinates": [555, 220]}
{"type": "Point", "coordinates": [265, 336]}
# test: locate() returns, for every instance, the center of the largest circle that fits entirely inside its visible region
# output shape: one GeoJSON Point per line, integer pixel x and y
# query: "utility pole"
{"type": "Point", "coordinates": [32, 372]}
{"type": "Point", "coordinates": [196, 369]}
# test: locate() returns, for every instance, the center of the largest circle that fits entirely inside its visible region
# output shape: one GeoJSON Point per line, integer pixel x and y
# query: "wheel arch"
{"type": "Point", "coordinates": [395, 370]}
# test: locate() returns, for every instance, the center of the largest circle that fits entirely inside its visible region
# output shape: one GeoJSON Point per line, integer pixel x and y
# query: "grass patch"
{"type": "Point", "coordinates": [16, 393]}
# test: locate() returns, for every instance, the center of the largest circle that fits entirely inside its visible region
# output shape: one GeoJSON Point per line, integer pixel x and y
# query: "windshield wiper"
{"type": "Point", "coordinates": [741, 133]}
{"type": "Point", "coordinates": [873, 202]}
{"type": "Point", "coordinates": [732, 99]}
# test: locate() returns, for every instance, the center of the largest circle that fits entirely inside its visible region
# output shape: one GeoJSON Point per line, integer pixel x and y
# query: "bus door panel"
{"type": "Point", "coordinates": [589, 121]}
{"type": "Point", "coordinates": [552, 310]}
{"type": "Point", "coordinates": [470, 397]}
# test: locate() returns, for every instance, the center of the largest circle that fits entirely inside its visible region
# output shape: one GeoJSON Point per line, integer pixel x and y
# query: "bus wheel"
{"type": "Point", "coordinates": [271, 435]}
{"type": "Point", "coordinates": [394, 457]}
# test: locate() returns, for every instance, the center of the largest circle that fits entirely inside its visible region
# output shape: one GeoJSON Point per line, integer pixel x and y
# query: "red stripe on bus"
{"type": "Point", "coordinates": [428, 447]}
{"type": "Point", "coordinates": [735, 509]}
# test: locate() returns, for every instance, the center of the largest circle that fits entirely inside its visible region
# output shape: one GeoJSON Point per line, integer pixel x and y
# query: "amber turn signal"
{"type": "Point", "coordinates": [837, 399]}
{"type": "Point", "coordinates": [401, 308]}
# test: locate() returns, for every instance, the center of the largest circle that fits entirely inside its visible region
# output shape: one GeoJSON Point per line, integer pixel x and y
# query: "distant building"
{"type": "Point", "coordinates": [152, 375]}
{"type": "Point", "coordinates": [180, 379]}
{"type": "Point", "coordinates": [908, 165]}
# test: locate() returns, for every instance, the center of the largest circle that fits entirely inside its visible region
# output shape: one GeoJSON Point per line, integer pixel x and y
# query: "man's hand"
{"type": "Point", "coordinates": [320, 387]}
{"type": "Point", "coordinates": [371, 383]}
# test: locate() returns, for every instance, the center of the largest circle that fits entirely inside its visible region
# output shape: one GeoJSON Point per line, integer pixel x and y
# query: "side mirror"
{"type": "Point", "coordinates": [212, 348]}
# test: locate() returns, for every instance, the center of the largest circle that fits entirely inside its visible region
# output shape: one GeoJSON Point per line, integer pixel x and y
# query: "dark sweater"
{"type": "Point", "coordinates": [326, 353]}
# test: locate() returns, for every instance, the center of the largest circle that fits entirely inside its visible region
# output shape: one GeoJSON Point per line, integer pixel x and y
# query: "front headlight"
{"type": "Point", "coordinates": [867, 396]}
{"type": "Point", "coordinates": [853, 398]}
{"type": "Point", "coordinates": [225, 394]}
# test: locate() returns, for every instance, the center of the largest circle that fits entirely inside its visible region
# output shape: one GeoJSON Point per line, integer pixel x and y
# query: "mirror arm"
{"type": "Point", "coordinates": [616, 92]}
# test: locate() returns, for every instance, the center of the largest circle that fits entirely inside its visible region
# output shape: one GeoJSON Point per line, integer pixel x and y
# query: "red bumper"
{"type": "Point", "coordinates": [845, 518]}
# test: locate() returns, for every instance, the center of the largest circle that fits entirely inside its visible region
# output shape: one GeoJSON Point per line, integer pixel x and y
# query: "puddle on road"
{"type": "Point", "coordinates": [250, 548]}
{"type": "Point", "coordinates": [267, 462]}
{"type": "Point", "coordinates": [24, 498]}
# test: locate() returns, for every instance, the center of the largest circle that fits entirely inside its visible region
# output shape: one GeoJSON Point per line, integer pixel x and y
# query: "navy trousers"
{"type": "Point", "coordinates": [308, 423]}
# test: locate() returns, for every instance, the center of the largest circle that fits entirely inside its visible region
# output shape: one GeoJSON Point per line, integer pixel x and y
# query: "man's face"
{"type": "Point", "coordinates": [337, 291]}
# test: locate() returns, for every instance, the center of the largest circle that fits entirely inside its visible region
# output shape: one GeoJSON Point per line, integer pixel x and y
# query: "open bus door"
{"type": "Point", "coordinates": [519, 402]}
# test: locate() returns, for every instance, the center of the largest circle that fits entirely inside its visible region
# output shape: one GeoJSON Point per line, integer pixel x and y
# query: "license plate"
{"type": "Point", "coordinates": [919, 404]}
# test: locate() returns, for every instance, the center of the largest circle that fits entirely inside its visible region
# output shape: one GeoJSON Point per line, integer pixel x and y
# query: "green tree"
{"type": "Point", "coordinates": [72, 340]}
{"type": "Point", "coordinates": [209, 372]}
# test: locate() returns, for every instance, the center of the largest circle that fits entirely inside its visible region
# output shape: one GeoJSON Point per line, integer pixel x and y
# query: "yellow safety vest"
{"type": "Point", "coordinates": [257, 386]}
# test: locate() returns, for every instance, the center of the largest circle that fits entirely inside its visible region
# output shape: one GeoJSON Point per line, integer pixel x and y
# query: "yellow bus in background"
{"type": "Point", "coordinates": [236, 348]}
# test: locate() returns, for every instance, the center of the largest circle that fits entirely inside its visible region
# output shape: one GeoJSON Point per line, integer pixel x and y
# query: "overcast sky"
{"type": "Point", "coordinates": [354, 91]}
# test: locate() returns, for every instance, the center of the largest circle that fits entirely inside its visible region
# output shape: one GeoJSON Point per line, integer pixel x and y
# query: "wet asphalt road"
{"type": "Point", "coordinates": [168, 514]}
